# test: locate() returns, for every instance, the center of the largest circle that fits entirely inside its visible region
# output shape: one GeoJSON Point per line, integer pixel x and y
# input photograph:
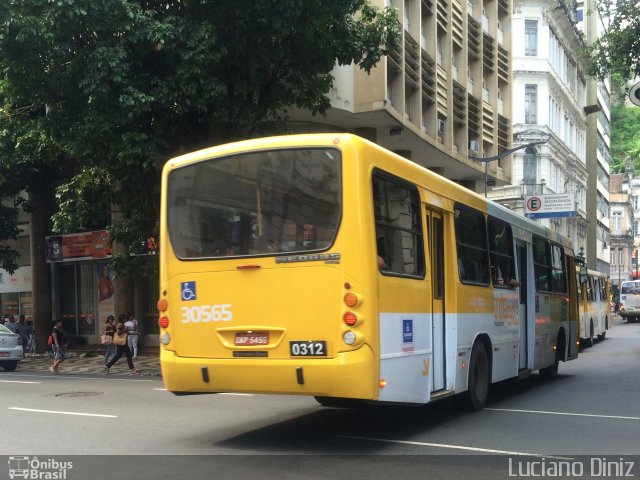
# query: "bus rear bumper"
{"type": "Point", "coordinates": [348, 375]}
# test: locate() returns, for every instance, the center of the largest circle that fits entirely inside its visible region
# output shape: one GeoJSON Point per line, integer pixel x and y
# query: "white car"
{"type": "Point", "coordinates": [10, 349]}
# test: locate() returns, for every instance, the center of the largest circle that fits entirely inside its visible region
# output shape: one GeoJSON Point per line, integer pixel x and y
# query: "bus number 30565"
{"type": "Point", "coordinates": [207, 313]}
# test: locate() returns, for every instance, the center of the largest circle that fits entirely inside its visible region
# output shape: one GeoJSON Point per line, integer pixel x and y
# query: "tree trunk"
{"type": "Point", "coordinates": [40, 269]}
{"type": "Point", "coordinates": [123, 285]}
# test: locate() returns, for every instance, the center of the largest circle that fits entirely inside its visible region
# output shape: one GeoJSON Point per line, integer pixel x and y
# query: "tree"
{"type": "Point", "coordinates": [97, 94]}
{"type": "Point", "coordinates": [625, 138]}
{"type": "Point", "coordinates": [618, 50]}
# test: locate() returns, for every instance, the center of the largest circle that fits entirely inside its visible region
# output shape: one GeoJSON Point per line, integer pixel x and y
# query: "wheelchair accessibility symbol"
{"type": "Point", "coordinates": [188, 291]}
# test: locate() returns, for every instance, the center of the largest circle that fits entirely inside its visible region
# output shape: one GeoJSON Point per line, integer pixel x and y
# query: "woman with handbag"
{"type": "Point", "coordinates": [120, 341]}
{"type": "Point", "coordinates": [107, 338]}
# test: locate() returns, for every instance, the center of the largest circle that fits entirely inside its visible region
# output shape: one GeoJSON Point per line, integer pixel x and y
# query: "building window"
{"type": "Point", "coordinates": [531, 38]}
{"type": "Point", "coordinates": [530, 103]}
{"type": "Point", "coordinates": [616, 226]}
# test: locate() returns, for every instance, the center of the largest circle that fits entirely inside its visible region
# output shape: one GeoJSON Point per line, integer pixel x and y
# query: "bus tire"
{"type": "Point", "coordinates": [551, 372]}
{"type": "Point", "coordinates": [475, 398]}
{"type": "Point", "coordinates": [590, 339]}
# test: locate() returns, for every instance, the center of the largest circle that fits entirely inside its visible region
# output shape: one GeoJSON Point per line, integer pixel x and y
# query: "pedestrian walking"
{"type": "Point", "coordinates": [132, 334]}
{"type": "Point", "coordinates": [11, 323]}
{"type": "Point", "coordinates": [107, 338]}
{"type": "Point", "coordinates": [24, 331]}
{"type": "Point", "coordinates": [58, 335]}
{"type": "Point", "coordinates": [120, 341]}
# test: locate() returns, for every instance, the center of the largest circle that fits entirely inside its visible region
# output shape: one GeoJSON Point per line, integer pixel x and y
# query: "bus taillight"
{"type": "Point", "coordinates": [350, 318]}
{"type": "Point", "coordinates": [351, 300]}
{"type": "Point", "coordinates": [163, 305]}
{"type": "Point", "coordinates": [163, 321]}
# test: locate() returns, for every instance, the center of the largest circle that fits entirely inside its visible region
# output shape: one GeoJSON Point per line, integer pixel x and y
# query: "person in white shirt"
{"type": "Point", "coordinates": [131, 326]}
{"type": "Point", "coordinates": [11, 323]}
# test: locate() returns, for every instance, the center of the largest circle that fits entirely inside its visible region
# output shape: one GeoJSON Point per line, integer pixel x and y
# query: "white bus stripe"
{"type": "Point", "coordinates": [63, 413]}
{"type": "Point", "coordinates": [454, 447]}
{"type": "Point", "coordinates": [619, 417]}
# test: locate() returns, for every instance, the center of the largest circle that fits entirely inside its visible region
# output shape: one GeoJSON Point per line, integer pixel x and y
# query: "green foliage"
{"type": "Point", "coordinates": [618, 51]}
{"type": "Point", "coordinates": [625, 138]}
{"type": "Point", "coordinates": [97, 94]}
{"type": "Point", "coordinates": [84, 202]}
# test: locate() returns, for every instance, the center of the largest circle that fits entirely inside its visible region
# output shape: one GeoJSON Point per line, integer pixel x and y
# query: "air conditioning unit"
{"type": "Point", "coordinates": [442, 127]}
{"type": "Point", "coordinates": [474, 147]}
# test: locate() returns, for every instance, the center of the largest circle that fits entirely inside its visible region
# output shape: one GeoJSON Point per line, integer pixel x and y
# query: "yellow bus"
{"type": "Point", "coordinates": [594, 306]}
{"type": "Point", "coordinates": [325, 265]}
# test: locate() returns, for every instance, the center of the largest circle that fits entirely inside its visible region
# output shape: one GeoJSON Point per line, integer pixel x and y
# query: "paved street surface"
{"type": "Point", "coordinates": [590, 413]}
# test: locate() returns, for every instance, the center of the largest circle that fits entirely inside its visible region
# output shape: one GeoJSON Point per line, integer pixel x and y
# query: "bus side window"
{"type": "Point", "coordinates": [471, 245]}
{"type": "Point", "coordinates": [398, 226]}
{"type": "Point", "coordinates": [501, 248]}
{"type": "Point", "coordinates": [542, 264]}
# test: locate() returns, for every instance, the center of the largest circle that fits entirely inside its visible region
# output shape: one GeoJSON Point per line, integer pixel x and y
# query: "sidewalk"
{"type": "Point", "coordinates": [91, 362]}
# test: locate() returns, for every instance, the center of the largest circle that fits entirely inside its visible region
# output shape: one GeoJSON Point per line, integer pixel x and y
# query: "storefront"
{"type": "Point", "coordinates": [15, 292]}
{"type": "Point", "coordinates": [83, 287]}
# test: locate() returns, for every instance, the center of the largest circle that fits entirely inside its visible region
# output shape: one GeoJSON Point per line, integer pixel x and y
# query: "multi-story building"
{"type": "Point", "coordinates": [622, 229]}
{"type": "Point", "coordinates": [634, 192]}
{"type": "Point", "coordinates": [550, 93]}
{"type": "Point", "coordinates": [441, 98]}
{"type": "Point", "coordinates": [598, 149]}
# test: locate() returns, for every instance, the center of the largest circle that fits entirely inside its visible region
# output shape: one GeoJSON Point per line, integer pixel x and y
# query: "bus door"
{"type": "Point", "coordinates": [436, 251]}
{"type": "Point", "coordinates": [524, 313]}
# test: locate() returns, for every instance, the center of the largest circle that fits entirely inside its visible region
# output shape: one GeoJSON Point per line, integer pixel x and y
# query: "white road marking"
{"type": "Point", "coordinates": [619, 417]}
{"type": "Point", "coordinates": [16, 381]}
{"type": "Point", "coordinates": [454, 447]}
{"type": "Point", "coordinates": [63, 413]}
{"type": "Point", "coordinates": [161, 389]}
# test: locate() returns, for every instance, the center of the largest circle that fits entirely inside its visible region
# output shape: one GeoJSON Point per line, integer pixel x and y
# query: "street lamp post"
{"type": "Point", "coordinates": [502, 155]}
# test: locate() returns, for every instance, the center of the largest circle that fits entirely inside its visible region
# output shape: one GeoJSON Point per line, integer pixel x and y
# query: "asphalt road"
{"type": "Point", "coordinates": [591, 410]}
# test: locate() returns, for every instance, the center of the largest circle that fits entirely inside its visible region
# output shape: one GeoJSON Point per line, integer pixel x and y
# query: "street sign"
{"type": "Point", "coordinates": [550, 206]}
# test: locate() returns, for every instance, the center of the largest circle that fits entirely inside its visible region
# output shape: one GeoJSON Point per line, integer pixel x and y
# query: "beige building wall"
{"type": "Point", "coordinates": [442, 97]}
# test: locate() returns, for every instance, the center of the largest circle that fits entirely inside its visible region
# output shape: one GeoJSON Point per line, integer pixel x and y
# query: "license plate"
{"type": "Point", "coordinates": [5, 354]}
{"type": "Point", "coordinates": [308, 349]}
{"type": "Point", "coordinates": [252, 338]}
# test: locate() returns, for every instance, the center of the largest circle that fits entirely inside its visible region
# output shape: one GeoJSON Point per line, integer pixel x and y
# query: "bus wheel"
{"type": "Point", "coordinates": [475, 398]}
{"type": "Point", "coordinates": [590, 339]}
{"type": "Point", "coordinates": [549, 373]}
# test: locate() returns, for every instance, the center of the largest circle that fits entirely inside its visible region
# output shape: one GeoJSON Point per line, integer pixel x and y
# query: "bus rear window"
{"type": "Point", "coordinates": [258, 203]}
{"type": "Point", "coordinates": [631, 288]}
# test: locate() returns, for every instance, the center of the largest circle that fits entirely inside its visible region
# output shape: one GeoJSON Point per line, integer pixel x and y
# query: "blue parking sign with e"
{"type": "Point", "coordinates": [188, 291]}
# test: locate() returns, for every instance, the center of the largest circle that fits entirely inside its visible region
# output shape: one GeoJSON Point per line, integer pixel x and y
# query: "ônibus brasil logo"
{"type": "Point", "coordinates": [36, 469]}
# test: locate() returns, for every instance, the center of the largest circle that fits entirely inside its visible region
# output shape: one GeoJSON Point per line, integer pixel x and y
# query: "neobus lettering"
{"type": "Point", "coordinates": [506, 311]}
{"type": "Point", "coordinates": [207, 313]}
